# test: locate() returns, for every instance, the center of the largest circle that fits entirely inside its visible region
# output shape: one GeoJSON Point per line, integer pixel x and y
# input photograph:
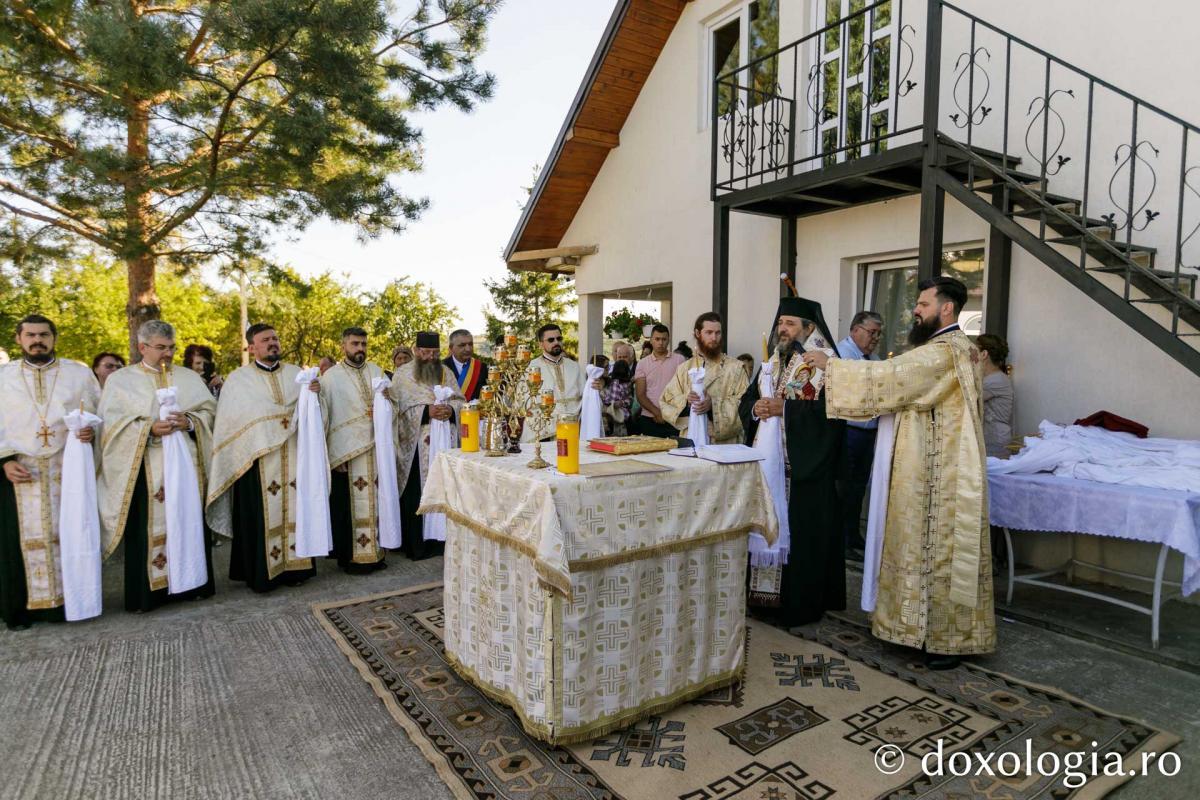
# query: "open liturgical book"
{"type": "Point", "coordinates": [720, 453]}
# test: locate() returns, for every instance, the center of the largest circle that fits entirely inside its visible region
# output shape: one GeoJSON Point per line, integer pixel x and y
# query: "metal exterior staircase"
{"type": "Point", "coordinates": [1098, 206]}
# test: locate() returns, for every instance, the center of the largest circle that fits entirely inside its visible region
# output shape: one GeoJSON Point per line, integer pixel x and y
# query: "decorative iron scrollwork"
{"type": "Point", "coordinates": [1055, 127]}
{"type": "Point", "coordinates": [754, 136]}
{"type": "Point", "coordinates": [903, 84]}
{"type": "Point", "coordinates": [1132, 155]}
{"type": "Point", "coordinates": [1187, 184]}
{"type": "Point", "coordinates": [968, 64]}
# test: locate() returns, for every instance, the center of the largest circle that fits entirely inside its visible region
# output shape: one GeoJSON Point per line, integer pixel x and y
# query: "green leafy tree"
{"type": "Point", "coordinates": [397, 312]}
{"type": "Point", "coordinates": [85, 301]}
{"type": "Point", "coordinates": [308, 315]}
{"type": "Point", "coordinates": [188, 129]}
{"type": "Point", "coordinates": [524, 301]}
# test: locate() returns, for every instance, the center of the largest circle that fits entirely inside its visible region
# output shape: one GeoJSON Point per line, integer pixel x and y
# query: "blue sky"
{"type": "Point", "coordinates": [475, 164]}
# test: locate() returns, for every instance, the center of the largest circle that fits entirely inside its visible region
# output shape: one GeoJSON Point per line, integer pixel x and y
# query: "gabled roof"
{"type": "Point", "coordinates": [636, 34]}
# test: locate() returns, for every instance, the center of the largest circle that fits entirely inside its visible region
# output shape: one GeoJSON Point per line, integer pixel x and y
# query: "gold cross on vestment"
{"type": "Point", "coordinates": [45, 434]}
{"type": "Point", "coordinates": [285, 422]}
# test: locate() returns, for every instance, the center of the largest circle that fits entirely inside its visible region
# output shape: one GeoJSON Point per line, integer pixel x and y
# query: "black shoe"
{"type": "Point", "coordinates": [941, 662]}
{"type": "Point", "coordinates": [19, 626]}
{"type": "Point", "coordinates": [380, 565]}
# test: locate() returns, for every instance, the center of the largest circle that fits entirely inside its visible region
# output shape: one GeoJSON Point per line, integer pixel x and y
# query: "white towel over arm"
{"type": "Point", "coordinates": [184, 510]}
{"type": "Point", "coordinates": [441, 437]}
{"type": "Point", "coordinates": [591, 423]}
{"type": "Point", "coordinates": [388, 493]}
{"type": "Point", "coordinates": [79, 523]}
{"type": "Point", "coordinates": [769, 442]}
{"type": "Point", "coordinates": [314, 533]}
{"type": "Point", "coordinates": [698, 423]}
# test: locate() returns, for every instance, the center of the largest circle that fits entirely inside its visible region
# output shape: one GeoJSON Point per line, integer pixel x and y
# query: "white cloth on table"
{"type": "Point", "coordinates": [1062, 504]}
{"type": "Point", "coordinates": [183, 508]}
{"type": "Point", "coordinates": [314, 531]}
{"type": "Point", "coordinates": [769, 442]}
{"type": "Point", "coordinates": [387, 495]}
{"type": "Point", "coordinates": [1096, 454]}
{"type": "Point", "coordinates": [591, 422]}
{"type": "Point", "coordinates": [441, 437]}
{"type": "Point", "coordinates": [79, 523]}
{"type": "Point", "coordinates": [698, 423]}
{"type": "Point", "coordinates": [881, 479]}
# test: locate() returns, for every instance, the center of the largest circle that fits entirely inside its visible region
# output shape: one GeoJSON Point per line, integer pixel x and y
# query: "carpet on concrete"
{"type": "Point", "coordinates": [815, 717]}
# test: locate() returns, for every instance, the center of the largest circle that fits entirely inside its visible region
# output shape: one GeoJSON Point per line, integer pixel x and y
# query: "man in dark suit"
{"type": "Point", "coordinates": [467, 369]}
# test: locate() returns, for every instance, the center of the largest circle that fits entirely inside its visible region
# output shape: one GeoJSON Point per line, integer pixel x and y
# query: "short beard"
{"type": "Point", "coordinates": [270, 358]}
{"type": "Point", "coordinates": [711, 355]}
{"type": "Point", "coordinates": [427, 372]}
{"type": "Point", "coordinates": [357, 359]}
{"type": "Point", "coordinates": [39, 358]}
{"type": "Point", "coordinates": [922, 332]}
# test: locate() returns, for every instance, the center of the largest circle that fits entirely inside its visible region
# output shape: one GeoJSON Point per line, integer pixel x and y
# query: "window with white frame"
{"type": "Point", "coordinates": [741, 37]}
{"type": "Point", "coordinates": [890, 289]}
{"type": "Point", "coordinates": [856, 77]}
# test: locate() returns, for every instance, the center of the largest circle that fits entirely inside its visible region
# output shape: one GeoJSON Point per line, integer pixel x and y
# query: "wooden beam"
{"type": "Point", "coordinates": [553, 252]}
{"type": "Point", "coordinates": [594, 137]}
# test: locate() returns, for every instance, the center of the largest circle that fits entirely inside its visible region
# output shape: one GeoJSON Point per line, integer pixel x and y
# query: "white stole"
{"type": "Point", "coordinates": [79, 523]}
{"type": "Point", "coordinates": [591, 423]}
{"type": "Point", "coordinates": [184, 510]}
{"type": "Point", "coordinates": [314, 533]}
{"type": "Point", "coordinates": [881, 477]}
{"type": "Point", "coordinates": [769, 442]}
{"type": "Point", "coordinates": [698, 423]}
{"type": "Point", "coordinates": [441, 437]}
{"type": "Point", "coordinates": [387, 495]}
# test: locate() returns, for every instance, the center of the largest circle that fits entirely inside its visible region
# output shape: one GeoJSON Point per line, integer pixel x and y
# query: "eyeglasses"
{"type": "Point", "coordinates": [552, 339]}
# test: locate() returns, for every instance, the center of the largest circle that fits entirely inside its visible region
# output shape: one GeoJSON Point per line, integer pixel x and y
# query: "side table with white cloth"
{"type": "Point", "coordinates": [1042, 502]}
{"type": "Point", "coordinates": [589, 603]}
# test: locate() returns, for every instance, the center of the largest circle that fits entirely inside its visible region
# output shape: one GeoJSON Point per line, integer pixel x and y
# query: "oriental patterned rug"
{"type": "Point", "coordinates": [835, 714]}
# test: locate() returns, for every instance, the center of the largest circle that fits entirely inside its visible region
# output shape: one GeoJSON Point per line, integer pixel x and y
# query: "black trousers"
{"type": "Point", "coordinates": [855, 474]}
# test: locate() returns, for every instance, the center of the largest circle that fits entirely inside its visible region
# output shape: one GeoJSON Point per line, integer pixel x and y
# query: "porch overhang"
{"type": "Point", "coordinates": [554, 260]}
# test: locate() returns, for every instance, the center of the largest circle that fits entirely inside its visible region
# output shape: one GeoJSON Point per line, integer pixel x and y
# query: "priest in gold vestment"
{"type": "Point", "coordinates": [348, 397]}
{"type": "Point", "coordinates": [934, 579]}
{"type": "Point", "coordinates": [131, 490]}
{"type": "Point", "coordinates": [725, 381]}
{"type": "Point", "coordinates": [252, 484]}
{"type": "Point", "coordinates": [36, 391]}
{"type": "Point", "coordinates": [412, 386]}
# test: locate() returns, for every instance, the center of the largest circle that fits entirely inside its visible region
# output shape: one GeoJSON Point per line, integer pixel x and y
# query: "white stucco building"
{"type": "Point", "coordinates": [829, 157]}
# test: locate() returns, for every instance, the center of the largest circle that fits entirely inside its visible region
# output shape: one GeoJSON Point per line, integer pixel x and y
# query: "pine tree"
{"type": "Point", "coordinates": [187, 129]}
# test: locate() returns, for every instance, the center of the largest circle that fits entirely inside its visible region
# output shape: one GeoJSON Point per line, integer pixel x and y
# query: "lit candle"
{"type": "Point", "coordinates": [502, 354]}
{"type": "Point", "coordinates": [535, 377]}
{"type": "Point", "coordinates": [493, 374]}
{"type": "Point", "coordinates": [486, 394]}
{"type": "Point", "coordinates": [523, 353]}
{"type": "Point", "coordinates": [510, 340]}
{"type": "Point", "coordinates": [548, 400]}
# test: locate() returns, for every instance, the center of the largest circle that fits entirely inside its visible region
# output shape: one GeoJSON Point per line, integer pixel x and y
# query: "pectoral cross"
{"type": "Point", "coordinates": [45, 434]}
{"type": "Point", "coordinates": [285, 422]}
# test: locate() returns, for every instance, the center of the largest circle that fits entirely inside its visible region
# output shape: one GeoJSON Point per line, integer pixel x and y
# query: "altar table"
{"type": "Point", "coordinates": [587, 604]}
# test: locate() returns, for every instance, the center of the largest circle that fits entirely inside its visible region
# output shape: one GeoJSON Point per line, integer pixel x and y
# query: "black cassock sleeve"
{"type": "Point", "coordinates": [746, 409]}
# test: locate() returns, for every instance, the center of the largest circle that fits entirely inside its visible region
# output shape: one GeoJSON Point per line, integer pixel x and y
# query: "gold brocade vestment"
{"type": "Point", "coordinates": [129, 407]}
{"type": "Point", "coordinates": [935, 575]}
{"type": "Point", "coordinates": [27, 393]}
{"type": "Point", "coordinates": [348, 398]}
{"type": "Point", "coordinates": [725, 382]}
{"type": "Point", "coordinates": [255, 425]}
